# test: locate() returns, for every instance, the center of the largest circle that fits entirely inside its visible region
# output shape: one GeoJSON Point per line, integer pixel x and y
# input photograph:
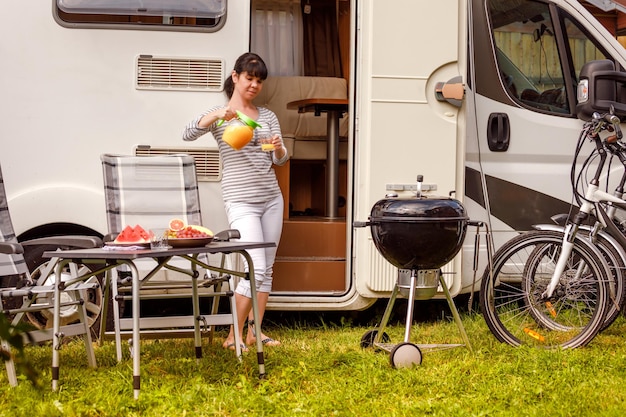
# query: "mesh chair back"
{"type": "Point", "coordinates": [150, 190]}
{"type": "Point", "coordinates": [9, 264]}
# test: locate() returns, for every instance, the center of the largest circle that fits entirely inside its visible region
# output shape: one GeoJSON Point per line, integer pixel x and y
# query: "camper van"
{"type": "Point", "coordinates": [476, 96]}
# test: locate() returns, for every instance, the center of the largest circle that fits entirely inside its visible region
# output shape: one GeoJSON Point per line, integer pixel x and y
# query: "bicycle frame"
{"type": "Point", "coordinates": [592, 232]}
{"type": "Point", "coordinates": [590, 204]}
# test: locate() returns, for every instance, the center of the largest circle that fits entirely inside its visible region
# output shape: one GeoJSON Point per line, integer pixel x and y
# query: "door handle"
{"type": "Point", "coordinates": [498, 132]}
{"type": "Point", "coordinates": [452, 91]}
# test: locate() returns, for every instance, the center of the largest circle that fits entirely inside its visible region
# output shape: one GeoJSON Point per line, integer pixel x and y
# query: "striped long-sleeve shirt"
{"type": "Point", "coordinates": [247, 174]}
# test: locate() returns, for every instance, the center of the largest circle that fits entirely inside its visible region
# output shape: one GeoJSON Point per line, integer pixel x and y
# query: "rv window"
{"type": "Point", "coordinates": [528, 55]}
{"type": "Point", "coordinates": [147, 13]}
{"type": "Point", "coordinates": [582, 46]}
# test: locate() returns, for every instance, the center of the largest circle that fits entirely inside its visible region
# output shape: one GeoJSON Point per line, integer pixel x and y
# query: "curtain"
{"type": "Point", "coordinates": [322, 55]}
{"type": "Point", "coordinates": [277, 35]}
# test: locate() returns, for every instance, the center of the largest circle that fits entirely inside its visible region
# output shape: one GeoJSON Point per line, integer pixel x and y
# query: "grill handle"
{"type": "Point", "coordinates": [360, 224]}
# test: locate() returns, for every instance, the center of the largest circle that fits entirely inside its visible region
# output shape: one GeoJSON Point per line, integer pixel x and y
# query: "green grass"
{"type": "Point", "coordinates": [321, 370]}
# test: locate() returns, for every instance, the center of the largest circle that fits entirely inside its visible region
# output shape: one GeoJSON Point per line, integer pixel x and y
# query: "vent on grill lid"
{"type": "Point", "coordinates": [208, 164]}
{"type": "Point", "coordinates": [162, 73]}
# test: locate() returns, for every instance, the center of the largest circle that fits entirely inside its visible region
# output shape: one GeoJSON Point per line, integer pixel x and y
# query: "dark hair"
{"type": "Point", "coordinates": [250, 63]}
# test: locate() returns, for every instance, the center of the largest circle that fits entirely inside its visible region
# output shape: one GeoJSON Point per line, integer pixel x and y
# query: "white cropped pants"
{"type": "Point", "coordinates": [258, 222]}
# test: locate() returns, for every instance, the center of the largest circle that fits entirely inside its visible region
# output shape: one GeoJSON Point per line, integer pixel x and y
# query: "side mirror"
{"type": "Point", "coordinates": [601, 88]}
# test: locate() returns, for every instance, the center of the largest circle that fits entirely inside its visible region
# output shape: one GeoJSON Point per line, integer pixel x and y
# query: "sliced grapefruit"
{"type": "Point", "coordinates": [176, 225]}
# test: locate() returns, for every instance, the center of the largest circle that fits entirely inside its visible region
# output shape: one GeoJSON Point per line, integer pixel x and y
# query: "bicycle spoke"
{"type": "Point", "coordinates": [512, 299]}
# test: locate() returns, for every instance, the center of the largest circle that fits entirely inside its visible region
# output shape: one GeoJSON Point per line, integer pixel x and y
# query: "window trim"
{"type": "Point", "coordinates": [137, 26]}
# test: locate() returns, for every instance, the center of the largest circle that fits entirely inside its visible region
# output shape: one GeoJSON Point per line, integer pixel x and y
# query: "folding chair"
{"type": "Point", "coordinates": [150, 191]}
{"type": "Point", "coordinates": [23, 295]}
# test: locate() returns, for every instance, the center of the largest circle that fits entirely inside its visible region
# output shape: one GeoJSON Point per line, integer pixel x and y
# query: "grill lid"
{"type": "Point", "coordinates": [418, 233]}
{"type": "Point", "coordinates": [418, 208]}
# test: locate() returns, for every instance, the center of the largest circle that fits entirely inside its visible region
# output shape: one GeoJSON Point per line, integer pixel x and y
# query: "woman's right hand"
{"type": "Point", "coordinates": [226, 113]}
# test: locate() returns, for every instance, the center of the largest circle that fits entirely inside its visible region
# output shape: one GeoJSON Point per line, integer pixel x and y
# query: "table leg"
{"type": "Point", "coordinates": [332, 163]}
{"type": "Point", "coordinates": [255, 315]}
{"type": "Point", "coordinates": [195, 301]}
{"type": "Point", "coordinates": [104, 313]}
{"type": "Point", "coordinates": [116, 313]}
{"type": "Point", "coordinates": [136, 340]}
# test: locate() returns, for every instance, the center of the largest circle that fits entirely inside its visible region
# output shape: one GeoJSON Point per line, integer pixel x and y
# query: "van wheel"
{"type": "Point", "coordinates": [93, 298]}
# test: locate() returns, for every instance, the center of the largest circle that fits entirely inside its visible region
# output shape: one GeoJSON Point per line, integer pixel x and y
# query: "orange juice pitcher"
{"type": "Point", "coordinates": [239, 131]}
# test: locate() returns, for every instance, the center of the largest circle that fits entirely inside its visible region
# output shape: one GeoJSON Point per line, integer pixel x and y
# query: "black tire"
{"type": "Point", "coordinates": [617, 282]}
{"type": "Point", "coordinates": [511, 298]}
{"type": "Point", "coordinates": [368, 338]}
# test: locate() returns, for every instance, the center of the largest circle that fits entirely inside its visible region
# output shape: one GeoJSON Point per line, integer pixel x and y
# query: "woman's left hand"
{"type": "Point", "coordinates": [279, 149]}
{"type": "Point", "coordinates": [278, 144]}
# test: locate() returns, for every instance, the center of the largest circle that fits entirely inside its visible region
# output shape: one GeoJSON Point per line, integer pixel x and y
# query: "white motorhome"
{"type": "Point", "coordinates": [478, 96]}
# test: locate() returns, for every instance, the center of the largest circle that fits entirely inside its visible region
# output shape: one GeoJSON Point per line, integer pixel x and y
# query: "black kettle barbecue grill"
{"type": "Point", "coordinates": [418, 235]}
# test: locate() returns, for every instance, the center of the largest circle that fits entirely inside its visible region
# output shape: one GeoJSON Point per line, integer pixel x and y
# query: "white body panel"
{"type": "Point", "coordinates": [401, 124]}
{"type": "Point", "coordinates": [69, 95]}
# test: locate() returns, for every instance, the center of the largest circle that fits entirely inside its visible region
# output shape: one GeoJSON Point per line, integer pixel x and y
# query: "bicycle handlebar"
{"type": "Point", "coordinates": [615, 122]}
{"type": "Point", "coordinates": [610, 144]}
{"type": "Point", "coordinates": [611, 118]}
{"type": "Point", "coordinates": [606, 121]}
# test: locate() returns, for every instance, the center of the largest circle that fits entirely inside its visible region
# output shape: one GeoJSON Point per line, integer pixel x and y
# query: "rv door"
{"type": "Point", "coordinates": [404, 48]}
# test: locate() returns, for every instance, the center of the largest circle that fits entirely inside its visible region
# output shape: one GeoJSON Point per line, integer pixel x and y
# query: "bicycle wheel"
{"type": "Point", "coordinates": [511, 299]}
{"type": "Point", "coordinates": [615, 262]}
{"type": "Point", "coordinates": [617, 284]}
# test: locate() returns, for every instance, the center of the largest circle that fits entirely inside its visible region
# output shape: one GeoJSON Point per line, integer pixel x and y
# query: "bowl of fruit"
{"type": "Point", "coordinates": [181, 235]}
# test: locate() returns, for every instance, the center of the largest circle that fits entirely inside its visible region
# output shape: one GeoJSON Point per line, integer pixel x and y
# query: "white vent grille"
{"type": "Point", "coordinates": [385, 275]}
{"type": "Point", "coordinates": [155, 73]}
{"type": "Point", "coordinates": [208, 164]}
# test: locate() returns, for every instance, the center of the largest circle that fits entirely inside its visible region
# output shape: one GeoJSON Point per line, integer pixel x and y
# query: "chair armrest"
{"type": "Point", "coordinates": [75, 241]}
{"type": "Point", "coordinates": [227, 235]}
{"type": "Point", "coordinates": [10, 248]}
{"type": "Point", "coordinates": [109, 237]}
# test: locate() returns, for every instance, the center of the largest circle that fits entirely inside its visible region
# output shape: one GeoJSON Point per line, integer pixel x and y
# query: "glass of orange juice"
{"type": "Point", "coordinates": [266, 144]}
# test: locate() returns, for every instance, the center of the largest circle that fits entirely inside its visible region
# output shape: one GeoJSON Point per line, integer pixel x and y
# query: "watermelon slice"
{"type": "Point", "coordinates": [135, 234]}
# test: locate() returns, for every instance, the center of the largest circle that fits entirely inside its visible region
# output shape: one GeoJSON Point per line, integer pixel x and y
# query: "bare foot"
{"type": "Point", "coordinates": [230, 344]}
{"type": "Point", "coordinates": [251, 337]}
{"type": "Point", "coordinates": [267, 341]}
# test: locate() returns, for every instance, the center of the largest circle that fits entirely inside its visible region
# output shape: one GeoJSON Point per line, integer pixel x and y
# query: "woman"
{"type": "Point", "coordinates": [252, 198]}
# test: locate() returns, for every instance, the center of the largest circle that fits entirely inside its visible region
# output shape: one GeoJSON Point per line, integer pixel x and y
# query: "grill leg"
{"type": "Point", "coordinates": [409, 307]}
{"type": "Point", "coordinates": [386, 315]}
{"type": "Point", "coordinates": [455, 313]}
